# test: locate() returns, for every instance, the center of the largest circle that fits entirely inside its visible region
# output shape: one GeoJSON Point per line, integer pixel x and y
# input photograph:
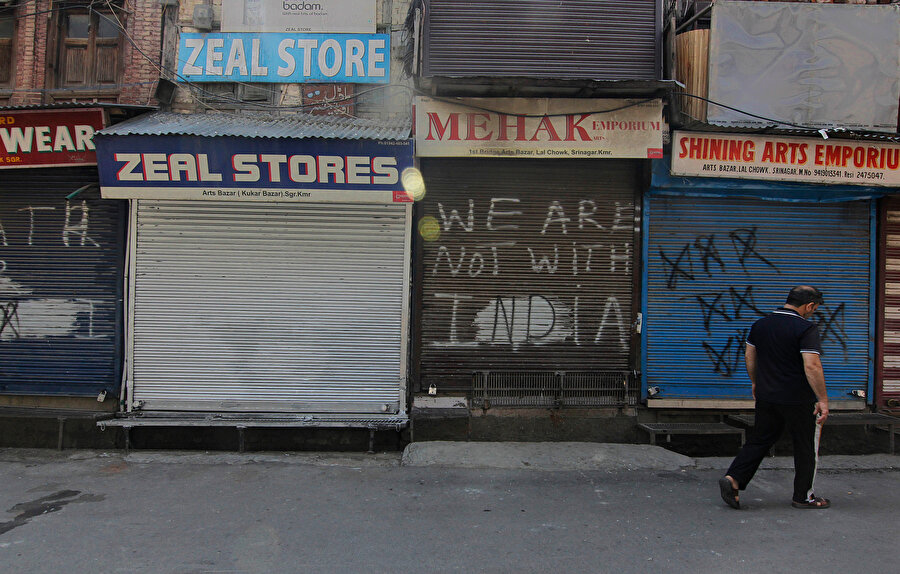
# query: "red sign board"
{"type": "Point", "coordinates": [47, 138]}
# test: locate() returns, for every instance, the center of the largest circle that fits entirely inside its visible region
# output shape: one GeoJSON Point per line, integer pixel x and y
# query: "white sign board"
{"type": "Point", "coordinates": [539, 128]}
{"type": "Point", "coordinates": [299, 16]}
{"type": "Point", "coordinates": [812, 160]}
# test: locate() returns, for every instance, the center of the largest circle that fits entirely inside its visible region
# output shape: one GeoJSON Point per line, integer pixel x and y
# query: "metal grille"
{"type": "Point", "coordinates": [553, 389]}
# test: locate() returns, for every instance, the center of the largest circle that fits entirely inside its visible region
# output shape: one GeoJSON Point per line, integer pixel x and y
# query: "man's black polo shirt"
{"type": "Point", "coordinates": [780, 338]}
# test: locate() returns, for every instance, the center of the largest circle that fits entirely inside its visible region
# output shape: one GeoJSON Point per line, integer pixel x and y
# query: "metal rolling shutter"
{"type": "Point", "coordinates": [716, 265]}
{"type": "Point", "coordinates": [526, 266]}
{"type": "Point", "coordinates": [259, 307]}
{"type": "Point", "coordinates": [61, 268]}
{"type": "Point", "coordinates": [890, 366]}
{"type": "Point", "coordinates": [576, 39]}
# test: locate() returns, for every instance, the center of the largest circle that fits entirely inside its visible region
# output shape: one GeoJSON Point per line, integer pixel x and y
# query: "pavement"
{"type": "Point", "coordinates": [437, 507]}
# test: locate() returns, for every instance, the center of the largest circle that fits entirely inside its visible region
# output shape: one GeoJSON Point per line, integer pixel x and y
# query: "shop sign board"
{"type": "Point", "coordinates": [49, 138]}
{"type": "Point", "coordinates": [776, 158]}
{"type": "Point", "coordinates": [539, 128]}
{"type": "Point", "coordinates": [285, 58]}
{"type": "Point", "coordinates": [306, 16]}
{"type": "Point", "coordinates": [253, 169]}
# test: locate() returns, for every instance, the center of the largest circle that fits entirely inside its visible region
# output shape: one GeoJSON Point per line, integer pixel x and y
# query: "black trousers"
{"type": "Point", "coordinates": [771, 420]}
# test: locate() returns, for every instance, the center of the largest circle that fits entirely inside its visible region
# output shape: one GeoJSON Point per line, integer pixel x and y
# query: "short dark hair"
{"type": "Point", "coordinates": [803, 294]}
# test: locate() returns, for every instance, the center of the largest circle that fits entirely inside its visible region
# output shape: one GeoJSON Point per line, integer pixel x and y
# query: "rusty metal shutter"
{"type": "Point", "coordinates": [61, 270]}
{"type": "Point", "coordinates": [715, 265]}
{"type": "Point", "coordinates": [526, 266]}
{"type": "Point", "coordinates": [890, 307]}
{"type": "Point", "coordinates": [574, 39]}
{"type": "Point", "coordinates": [270, 307]}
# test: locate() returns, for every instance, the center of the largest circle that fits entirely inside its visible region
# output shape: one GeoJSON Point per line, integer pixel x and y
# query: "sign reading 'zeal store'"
{"type": "Point", "coordinates": [285, 58]}
{"type": "Point", "coordinates": [539, 128]}
{"type": "Point", "coordinates": [778, 158]}
{"type": "Point", "coordinates": [47, 138]}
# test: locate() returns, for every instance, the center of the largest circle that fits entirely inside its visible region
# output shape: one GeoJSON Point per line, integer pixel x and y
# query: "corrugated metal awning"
{"type": "Point", "coordinates": [260, 125]}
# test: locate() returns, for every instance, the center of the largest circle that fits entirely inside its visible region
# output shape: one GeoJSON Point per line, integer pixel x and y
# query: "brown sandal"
{"type": "Point", "coordinates": [813, 502]}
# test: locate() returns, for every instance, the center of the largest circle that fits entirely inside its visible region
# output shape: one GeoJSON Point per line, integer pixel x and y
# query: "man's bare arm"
{"type": "Point", "coordinates": [750, 361]}
{"type": "Point", "coordinates": [812, 365]}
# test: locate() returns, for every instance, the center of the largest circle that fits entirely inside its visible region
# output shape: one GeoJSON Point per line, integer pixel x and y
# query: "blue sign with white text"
{"type": "Point", "coordinates": [285, 58]}
{"type": "Point", "coordinates": [239, 168]}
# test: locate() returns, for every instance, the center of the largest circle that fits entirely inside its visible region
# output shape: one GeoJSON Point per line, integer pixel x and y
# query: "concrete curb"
{"type": "Point", "coordinates": [543, 456]}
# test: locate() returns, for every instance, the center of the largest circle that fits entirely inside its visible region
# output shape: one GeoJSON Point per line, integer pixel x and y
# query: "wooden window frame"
{"type": "Point", "coordinates": [91, 84]}
{"type": "Point", "coordinates": [9, 45]}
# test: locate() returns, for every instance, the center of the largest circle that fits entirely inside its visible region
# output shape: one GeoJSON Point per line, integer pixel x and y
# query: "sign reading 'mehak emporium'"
{"type": "Point", "coordinates": [539, 128]}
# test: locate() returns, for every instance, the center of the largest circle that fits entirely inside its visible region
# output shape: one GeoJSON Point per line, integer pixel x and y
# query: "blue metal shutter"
{"type": "Point", "coordinates": [716, 265]}
{"type": "Point", "coordinates": [61, 264]}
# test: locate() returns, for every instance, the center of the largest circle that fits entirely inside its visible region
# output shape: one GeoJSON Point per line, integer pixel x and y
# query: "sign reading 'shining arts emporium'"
{"type": "Point", "coordinates": [776, 158]}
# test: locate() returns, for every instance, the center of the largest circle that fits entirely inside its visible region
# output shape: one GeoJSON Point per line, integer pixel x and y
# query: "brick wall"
{"type": "Point", "coordinates": [36, 54]}
{"type": "Point", "coordinates": [140, 60]}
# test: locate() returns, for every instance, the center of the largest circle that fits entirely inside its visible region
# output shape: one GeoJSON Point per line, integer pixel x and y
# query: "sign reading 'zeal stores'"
{"type": "Point", "coordinates": [539, 128]}
{"type": "Point", "coordinates": [778, 158]}
{"type": "Point", "coordinates": [285, 58]}
{"type": "Point", "coordinates": [252, 169]}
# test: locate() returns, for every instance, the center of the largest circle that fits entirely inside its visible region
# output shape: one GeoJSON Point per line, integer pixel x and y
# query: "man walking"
{"type": "Point", "coordinates": [783, 362]}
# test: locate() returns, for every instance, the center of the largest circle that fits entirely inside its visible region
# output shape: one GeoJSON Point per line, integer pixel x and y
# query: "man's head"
{"type": "Point", "coordinates": [805, 299]}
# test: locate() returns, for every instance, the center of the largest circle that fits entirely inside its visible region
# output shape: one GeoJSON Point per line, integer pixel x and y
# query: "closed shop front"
{"type": "Point", "coordinates": [526, 249]}
{"type": "Point", "coordinates": [62, 254]}
{"type": "Point", "coordinates": [61, 264]}
{"type": "Point", "coordinates": [242, 306]}
{"type": "Point", "coordinates": [527, 266]}
{"type": "Point", "coordinates": [715, 265]}
{"type": "Point", "coordinates": [721, 252]}
{"type": "Point", "coordinates": [888, 392]}
{"type": "Point", "coordinates": [279, 285]}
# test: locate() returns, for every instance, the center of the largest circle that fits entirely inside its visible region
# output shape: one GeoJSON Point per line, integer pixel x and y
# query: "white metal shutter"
{"type": "Point", "coordinates": [259, 307]}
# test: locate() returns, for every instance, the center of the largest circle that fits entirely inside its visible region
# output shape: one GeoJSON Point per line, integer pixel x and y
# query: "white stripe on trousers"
{"type": "Point", "coordinates": [816, 438]}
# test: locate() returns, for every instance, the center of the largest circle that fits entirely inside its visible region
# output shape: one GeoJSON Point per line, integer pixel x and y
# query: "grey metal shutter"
{"type": "Point", "coordinates": [890, 302]}
{"type": "Point", "coordinates": [61, 269]}
{"type": "Point", "coordinates": [574, 39]}
{"type": "Point", "coordinates": [259, 307]}
{"type": "Point", "coordinates": [716, 265]}
{"type": "Point", "coordinates": [526, 265]}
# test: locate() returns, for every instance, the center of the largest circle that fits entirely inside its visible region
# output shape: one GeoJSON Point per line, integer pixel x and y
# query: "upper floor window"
{"type": "Point", "coordinates": [89, 44]}
{"type": "Point", "coordinates": [7, 49]}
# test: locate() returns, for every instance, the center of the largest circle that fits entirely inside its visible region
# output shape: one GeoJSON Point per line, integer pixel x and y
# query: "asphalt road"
{"type": "Point", "coordinates": [92, 512]}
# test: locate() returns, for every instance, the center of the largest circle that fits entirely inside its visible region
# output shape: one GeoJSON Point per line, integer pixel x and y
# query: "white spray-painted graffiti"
{"type": "Point", "coordinates": [26, 316]}
{"type": "Point", "coordinates": [589, 244]}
